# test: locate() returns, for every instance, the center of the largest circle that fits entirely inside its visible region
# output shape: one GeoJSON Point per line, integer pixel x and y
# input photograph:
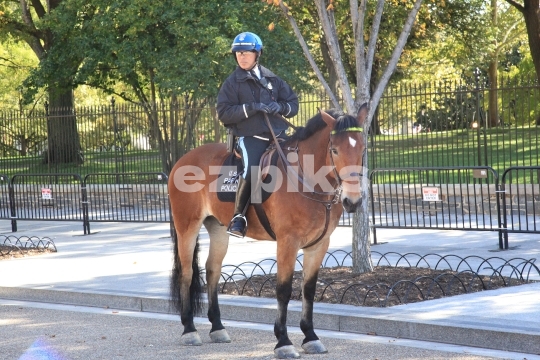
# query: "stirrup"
{"type": "Point", "coordinates": [237, 234]}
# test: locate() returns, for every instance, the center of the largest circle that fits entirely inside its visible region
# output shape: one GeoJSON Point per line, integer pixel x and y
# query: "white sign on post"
{"type": "Point", "coordinates": [431, 193]}
{"type": "Point", "coordinates": [46, 194]}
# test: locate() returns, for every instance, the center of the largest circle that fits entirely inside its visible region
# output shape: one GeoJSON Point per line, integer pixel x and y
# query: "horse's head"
{"type": "Point", "coordinates": [346, 151]}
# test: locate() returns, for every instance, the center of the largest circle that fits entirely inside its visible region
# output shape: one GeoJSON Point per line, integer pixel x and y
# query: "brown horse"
{"type": "Point", "coordinates": [324, 167]}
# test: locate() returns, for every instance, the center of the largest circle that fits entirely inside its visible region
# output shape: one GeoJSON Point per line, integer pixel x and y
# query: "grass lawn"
{"type": "Point", "coordinates": [497, 148]}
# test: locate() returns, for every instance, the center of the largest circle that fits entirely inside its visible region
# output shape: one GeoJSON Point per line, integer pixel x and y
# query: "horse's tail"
{"type": "Point", "coordinates": [195, 290]}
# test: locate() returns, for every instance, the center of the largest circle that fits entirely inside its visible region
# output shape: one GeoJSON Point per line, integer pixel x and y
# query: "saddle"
{"type": "Point", "coordinates": [228, 178]}
{"type": "Point", "coordinates": [227, 184]}
{"type": "Point", "coordinates": [266, 158]}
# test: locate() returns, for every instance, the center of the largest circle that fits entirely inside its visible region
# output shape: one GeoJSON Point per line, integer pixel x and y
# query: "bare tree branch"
{"type": "Point", "coordinates": [40, 10]}
{"type": "Point", "coordinates": [377, 94]}
{"type": "Point", "coordinates": [28, 30]}
{"type": "Point", "coordinates": [354, 15]}
{"type": "Point", "coordinates": [509, 36]}
{"type": "Point", "coordinates": [517, 5]}
{"type": "Point", "coordinates": [307, 53]}
{"type": "Point", "coordinates": [373, 36]}
{"type": "Point", "coordinates": [359, 46]}
{"type": "Point", "coordinates": [26, 16]}
{"type": "Point", "coordinates": [335, 54]}
{"type": "Point", "coordinates": [13, 65]}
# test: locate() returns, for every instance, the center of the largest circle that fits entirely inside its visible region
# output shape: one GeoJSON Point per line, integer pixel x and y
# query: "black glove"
{"type": "Point", "coordinates": [285, 108]}
{"type": "Point", "coordinates": [274, 108]}
{"type": "Point", "coordinates": [260, 107]}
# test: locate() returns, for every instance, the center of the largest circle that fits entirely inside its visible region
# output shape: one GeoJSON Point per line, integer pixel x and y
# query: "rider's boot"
{"type": "Point", "coordinates": [238, 225]}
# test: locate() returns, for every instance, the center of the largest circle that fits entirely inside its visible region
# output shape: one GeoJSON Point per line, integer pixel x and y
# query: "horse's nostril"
{"type": "Point", "coordinates": [349, 206]}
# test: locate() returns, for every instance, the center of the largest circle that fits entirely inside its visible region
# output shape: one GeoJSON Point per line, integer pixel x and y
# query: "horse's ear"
{"type": "Point", "coordinates": [329, 120]}
{"type": "Point", "coordinates": [362, 114]}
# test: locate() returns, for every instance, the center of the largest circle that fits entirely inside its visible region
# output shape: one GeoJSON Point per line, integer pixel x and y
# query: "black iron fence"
{"type": "Point", "coordinates": [141, 197]}
{"type": "Point", "coordinates": [435, 124]}
{"type": "Point", "coordinates": [453, 124]}
{"type": "Point", "coordinates": [457, 198]}
{"type": "Point", "coordinates": [119, 138]}
{"type": "Point", "coordinates": [115, 197]}
{"type": "Point", "coordinates": [5, 205]}
{"type": "Point", "coordinates": [521, 203]}
{"type": "Point", "coordinates": [124, 153]}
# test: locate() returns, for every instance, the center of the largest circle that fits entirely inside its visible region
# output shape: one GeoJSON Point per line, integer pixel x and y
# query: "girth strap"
{"type": "Point", "coordinates": [328, 205]}
{"type": "Point", "coordinates": [326, 222]}
{"type": "Point", "coordinates": [263, 219]}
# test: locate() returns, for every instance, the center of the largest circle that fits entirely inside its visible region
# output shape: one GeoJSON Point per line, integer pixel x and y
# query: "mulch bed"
{"type": "Point", "coordinates": [385, 286]}
{"type": "Point", "coordinates": [10, 252]}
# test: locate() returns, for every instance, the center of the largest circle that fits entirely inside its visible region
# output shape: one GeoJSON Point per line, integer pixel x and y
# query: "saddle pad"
{"type": "Point", "coordinates": [228, 179]}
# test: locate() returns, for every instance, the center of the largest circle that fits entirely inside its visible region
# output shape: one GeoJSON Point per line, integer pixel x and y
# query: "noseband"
{"type": "Point", "coordinates": [330, 146]}
{"type": "Point", "coordinates": [337, 190]}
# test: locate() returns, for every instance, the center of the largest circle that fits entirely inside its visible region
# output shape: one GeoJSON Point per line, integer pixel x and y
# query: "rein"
{"type": "Point", "coordinates": [337, 190]}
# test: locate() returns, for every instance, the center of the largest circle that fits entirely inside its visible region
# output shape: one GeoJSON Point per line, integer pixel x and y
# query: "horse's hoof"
{"type": "Point", "coordinates": [314, 347]}
{"type": "Point", "coordinates": [220, 336]}
{"type": "Point", "coordinates": [191, 339]}
{"type": "Point", "coordinates": [286, 352]}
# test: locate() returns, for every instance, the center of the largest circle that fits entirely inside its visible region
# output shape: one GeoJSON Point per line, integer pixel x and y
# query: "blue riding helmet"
{"type": "Point", "coordinates": [247, 41]}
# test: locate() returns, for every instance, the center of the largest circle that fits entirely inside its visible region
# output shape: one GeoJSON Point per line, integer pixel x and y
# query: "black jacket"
{"type": "Point", "coordinates": [238, 94]}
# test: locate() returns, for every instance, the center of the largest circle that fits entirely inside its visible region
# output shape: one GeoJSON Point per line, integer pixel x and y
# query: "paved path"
{"type": "Point", "coordinates": [126, 267]}
{"type": "Point", "coordinates": [61, 332]}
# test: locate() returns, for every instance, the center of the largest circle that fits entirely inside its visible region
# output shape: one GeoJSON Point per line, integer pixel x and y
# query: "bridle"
{"type": "Point", "coordinates": [336, 194]}
{"type": "Point", "coordinates": [330, 146]}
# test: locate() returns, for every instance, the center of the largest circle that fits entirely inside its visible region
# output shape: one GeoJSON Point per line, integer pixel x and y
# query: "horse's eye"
{"type": "Point", "coordinates": [334, 151]}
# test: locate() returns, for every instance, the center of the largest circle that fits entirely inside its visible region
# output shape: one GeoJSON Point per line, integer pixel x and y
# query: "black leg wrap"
{"type": "Point", "coordinates": [306, 324]}
{"type": "Point", "coordinates": [280, 327]}
{"type": "Point", "coordinates": [238, 225]}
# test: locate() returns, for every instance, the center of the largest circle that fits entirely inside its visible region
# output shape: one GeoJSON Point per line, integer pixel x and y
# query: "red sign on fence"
{"type": "Point", "coordinates": [431, 193]}
{"type": "Point", "coordinates": [46, 194]}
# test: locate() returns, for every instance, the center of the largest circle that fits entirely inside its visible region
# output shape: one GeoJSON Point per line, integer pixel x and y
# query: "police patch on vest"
{"type": "Point", "coordinates": [229, 173]}
{"type": "Point", "coordinates": [227, 181]}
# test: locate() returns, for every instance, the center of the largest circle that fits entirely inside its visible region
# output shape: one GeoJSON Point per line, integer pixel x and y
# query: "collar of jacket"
{"type": "Point", "coordinates": [243, 75]}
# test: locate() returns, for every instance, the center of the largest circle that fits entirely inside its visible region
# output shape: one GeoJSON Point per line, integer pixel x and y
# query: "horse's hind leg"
{"type": "Point", "coordinates": [186, 284]}
{"type": "Point", "coordinates": [313, 257]}
{"type": "Point", "coordinates": [219, 242]}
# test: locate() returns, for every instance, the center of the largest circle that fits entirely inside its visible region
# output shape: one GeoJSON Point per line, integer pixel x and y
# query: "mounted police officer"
{"type": "Point", "coordinates": [250, 92]}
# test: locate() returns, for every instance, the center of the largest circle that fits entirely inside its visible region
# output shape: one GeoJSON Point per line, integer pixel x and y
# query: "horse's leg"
{"type": "Point", "coordinates": [286, 260]}
{"type": "Point", "coordinates": [219, 242]}
{"type": "Point", "coordinates": [313, 257]}
{"type": "Point", "coordinates": [185, 280]}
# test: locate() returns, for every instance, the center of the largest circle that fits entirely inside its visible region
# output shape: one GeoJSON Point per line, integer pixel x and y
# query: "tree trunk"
{"type": "Point", "coordinates": [364, 62]}
{"type": "Point", "coordinates": [63, 138]}
{"type": "Point", "coordinates": [332, 76]}
{"type": "Point", "coordinates": [361, 244]}
{"type": "Point", "coordinates": [532, 21]}
{"type": "Point", "coordinates": [493, 106]}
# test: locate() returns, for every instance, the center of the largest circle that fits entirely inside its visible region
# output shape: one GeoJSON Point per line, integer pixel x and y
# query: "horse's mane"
{"type": "Point", "coordinates": [316, 123]}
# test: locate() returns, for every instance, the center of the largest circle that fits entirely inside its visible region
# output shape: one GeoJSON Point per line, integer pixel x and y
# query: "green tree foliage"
{"type": "Point", "coordinates": [27, 22]}
{"type": "Point", "coordinates": [167, 50]}
{"type": "Point", "coordinates": [446, 34]}
{"type": "Point", "coordinates": [16, 62]}
{"type": "Point", "coordinates": [159, 48]}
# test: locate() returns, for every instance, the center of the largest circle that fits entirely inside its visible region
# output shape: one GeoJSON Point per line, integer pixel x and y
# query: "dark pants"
{"type": "Point", "coordinates": [252, 150]}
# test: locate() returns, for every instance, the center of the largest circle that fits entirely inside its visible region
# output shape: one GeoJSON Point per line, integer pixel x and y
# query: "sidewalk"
{"type": "Point", "coordinates": [127, 265]}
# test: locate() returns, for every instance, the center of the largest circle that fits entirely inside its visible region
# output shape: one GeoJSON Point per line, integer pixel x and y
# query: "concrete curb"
{"type": "Point", "coordinates": [346, 318]}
